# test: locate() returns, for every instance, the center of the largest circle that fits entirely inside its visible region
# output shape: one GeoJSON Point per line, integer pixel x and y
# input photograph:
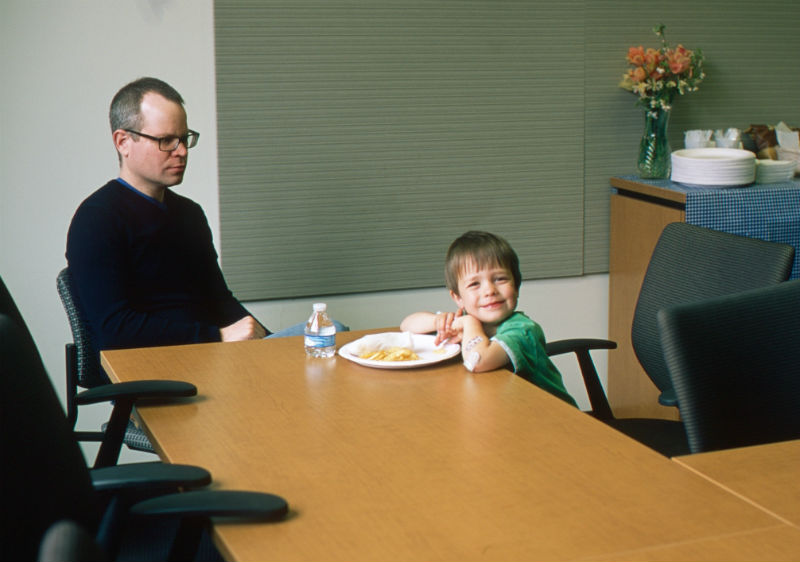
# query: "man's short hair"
{"type": "Point", "coordinates": [482, 249]}
{"type": "Point", "coordinates": [125, 111]}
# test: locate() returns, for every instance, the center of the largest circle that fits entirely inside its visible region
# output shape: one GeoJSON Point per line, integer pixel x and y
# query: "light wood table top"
{"type": "Point", "coordinates": [766, 475]}
{"type": "Point", "coordinates": [427, 464]}
{"type": "Point", "coordinates": [773, 545]}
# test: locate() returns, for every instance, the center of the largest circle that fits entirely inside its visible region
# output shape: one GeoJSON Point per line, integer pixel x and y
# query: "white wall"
{"type": "Point", "coordinates": [61, 62]}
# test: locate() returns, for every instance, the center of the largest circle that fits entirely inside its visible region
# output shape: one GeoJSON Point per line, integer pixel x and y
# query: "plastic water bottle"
{"type": "Point", "coordinates": [320, 333]}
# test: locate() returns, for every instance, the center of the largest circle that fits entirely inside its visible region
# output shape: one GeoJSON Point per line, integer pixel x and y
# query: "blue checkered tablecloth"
{"type": "Point", "coordinates": [769, 211]}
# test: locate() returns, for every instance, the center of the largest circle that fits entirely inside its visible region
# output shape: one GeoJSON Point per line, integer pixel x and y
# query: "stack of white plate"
{"type": "Point", "coordinates": [774, 171]}
{"type": "Point", "coordinates": [720, 167]}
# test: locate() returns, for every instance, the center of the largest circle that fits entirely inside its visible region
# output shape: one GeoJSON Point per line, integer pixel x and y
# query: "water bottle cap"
{"type": "Point", "coordinates": [320, 307]}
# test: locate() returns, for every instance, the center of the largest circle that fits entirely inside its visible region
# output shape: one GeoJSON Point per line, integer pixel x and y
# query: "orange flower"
{"type": "Point", "coordinates": [636, 55]}
{"type": "Point", "coordinates": [637, 74]}
{"type": "Point", "coordinates": [679, 59]}
{"type": "Point", "coordinates": [651, 60]}
{"type": "Point", "coordinates": [656, 76]}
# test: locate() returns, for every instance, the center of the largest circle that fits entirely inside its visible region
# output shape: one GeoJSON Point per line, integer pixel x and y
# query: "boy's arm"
{"type": "Point", "coordinates": [479, 353]}
{"type": "Point", "coordinates": [443, 323]}
{"type": "Point", "coordinates": [419, 323]}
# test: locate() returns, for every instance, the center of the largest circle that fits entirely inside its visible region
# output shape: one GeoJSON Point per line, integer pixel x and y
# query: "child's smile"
{"type": "Point", "coordinates": [488, 294]}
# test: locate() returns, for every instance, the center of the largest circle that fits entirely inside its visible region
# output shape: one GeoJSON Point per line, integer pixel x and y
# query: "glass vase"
{"type": "Point", "coordinates": [654, 151]}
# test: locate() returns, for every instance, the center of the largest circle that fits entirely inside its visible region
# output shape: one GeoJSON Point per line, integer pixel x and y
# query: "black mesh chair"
{"type": "Point", "coordinates": [735, 366]}
{"type": "Point", "coordinates": [112, 437]}
{"type": "Point", "coordinates": [46, 480]}
{"type": "Point", "coordinates": [83, 367]}
{"type": "Point", "coordinates": [689, 263]}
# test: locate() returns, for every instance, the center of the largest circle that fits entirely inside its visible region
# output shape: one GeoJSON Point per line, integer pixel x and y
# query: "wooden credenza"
{"type": "Point", "coordinates": [640, 209]}
{"type": "Point", "coordinates": [639, 212]}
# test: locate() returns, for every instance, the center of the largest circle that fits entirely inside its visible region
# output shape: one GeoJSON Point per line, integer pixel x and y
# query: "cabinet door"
{"type": "Point", "coordinates": [635, 227]}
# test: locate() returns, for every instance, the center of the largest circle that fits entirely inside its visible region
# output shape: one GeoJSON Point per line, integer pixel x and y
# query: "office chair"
{"type": "Point", "coordinates": [111, 439]}
{"type": "Point", "coordinates": [735, 366]}
{"type": "Point", "coordinates": [46, 480]}
{"type": "Point", "coordinates": [110, 442]}
{"type": "Point", "coordinates": [8, 306]}
{"type": "Point", "coordinates": [67, 541]}
{"type": "Point", "coordinates": [83, 367]}
{"type": "Point", "coordinates": [689, 263]}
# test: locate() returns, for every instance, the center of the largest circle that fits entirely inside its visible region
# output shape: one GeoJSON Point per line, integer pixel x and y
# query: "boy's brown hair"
{"type": "Point", "coordinates": [484, 250]}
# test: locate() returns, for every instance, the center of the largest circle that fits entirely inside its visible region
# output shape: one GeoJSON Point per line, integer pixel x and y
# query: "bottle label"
{"type": "Point", "coordinates": [320, 341]}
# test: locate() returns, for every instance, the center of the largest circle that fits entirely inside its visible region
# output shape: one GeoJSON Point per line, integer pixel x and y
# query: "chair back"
{"type": "Point", "coordinates": [9, 307]}
{"type": "Point", "coordinates": [66, 541]}
{"type": "Point", "coordinates": [83, 364]}
{"type": "Point", "coordinates": [735, 365]}
{"type": "Point", "coordinates": [691, 263]}
{"type": "Point", "coordinates": [89, 373]}
{"type": "Point", "coordinates": [45, 477]}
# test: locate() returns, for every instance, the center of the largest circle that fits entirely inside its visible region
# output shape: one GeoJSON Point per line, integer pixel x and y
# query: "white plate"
{"type": "Point", "coordinates": [714, 154]}
{"type": "Point", "coordinates": [720, 167]}
{"type": "Point", "coordinates": [423, 346]}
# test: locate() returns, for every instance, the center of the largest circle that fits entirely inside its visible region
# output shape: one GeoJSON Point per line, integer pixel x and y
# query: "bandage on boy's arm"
{"type": "Point", "coordinates": [478, 352]}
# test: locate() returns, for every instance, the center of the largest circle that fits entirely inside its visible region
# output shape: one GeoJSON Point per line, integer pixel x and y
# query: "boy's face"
{"type": "Point", "coordinates": [487, 294]}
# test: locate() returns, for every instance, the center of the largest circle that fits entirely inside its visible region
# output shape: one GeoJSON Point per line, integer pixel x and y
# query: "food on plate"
{"type": "Point", "coordinates": [390, 354]}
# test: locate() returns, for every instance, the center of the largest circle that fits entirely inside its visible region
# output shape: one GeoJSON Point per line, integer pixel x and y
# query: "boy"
{"type": "Point", "coordinates": [483, 276]}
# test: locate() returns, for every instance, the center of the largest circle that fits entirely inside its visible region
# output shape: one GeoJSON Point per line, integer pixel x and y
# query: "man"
{"type": "Point", "coordinates": [141, 256]}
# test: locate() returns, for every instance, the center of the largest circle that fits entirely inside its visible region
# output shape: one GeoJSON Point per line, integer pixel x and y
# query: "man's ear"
{"type": "Point", "coordinates": [121, 139]}
{"type": "Point", "coordinates": [456, 299]}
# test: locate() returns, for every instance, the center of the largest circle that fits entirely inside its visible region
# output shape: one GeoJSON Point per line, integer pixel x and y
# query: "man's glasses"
{"type": "Point", "coordinates": [168, 144]}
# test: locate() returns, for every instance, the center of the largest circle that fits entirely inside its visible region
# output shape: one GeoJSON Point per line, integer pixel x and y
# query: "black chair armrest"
{"type": "Point", "coordinates": [149, 476]}
{"type": "Point", "coordinates": [195, 508]}
{"type": "Point", "coordinates": [136, 390]}
{"type": "Point", "coordinates": [66, 540]}
{"type": "Point", "coordinates": [124, 395]}
{"type": "Point", "coordinates": [257, 506]}
{"type": "Point", "coordinates": [668, 398]}
{"type": "Point", "coordinates": [119, 487]}
{"type": "Point", "coordinates": [570, 345]}
{"type": "Point", "coordinates": [581, 347]}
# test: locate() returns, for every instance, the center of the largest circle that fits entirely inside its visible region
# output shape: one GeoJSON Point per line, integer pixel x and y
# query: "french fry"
{"type": "Point", "coordinates": [391, 354]}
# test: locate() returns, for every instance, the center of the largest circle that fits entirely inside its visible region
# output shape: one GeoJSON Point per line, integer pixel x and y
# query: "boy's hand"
{"type": "Point", "coordinates": [448, 327]}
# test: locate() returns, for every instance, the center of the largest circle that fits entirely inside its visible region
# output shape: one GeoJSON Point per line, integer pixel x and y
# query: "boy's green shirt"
{"type": "Point", "coordinates": [524, 342]}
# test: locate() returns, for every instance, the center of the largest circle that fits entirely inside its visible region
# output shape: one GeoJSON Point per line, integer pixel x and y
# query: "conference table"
{"type": "Point", "coordinates": [431, 463]}
{"type": "Point", "coordinates": [767, 475]}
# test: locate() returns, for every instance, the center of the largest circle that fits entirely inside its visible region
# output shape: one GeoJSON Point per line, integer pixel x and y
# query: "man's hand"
{"type": "Point", "coordinates": [247, 328]}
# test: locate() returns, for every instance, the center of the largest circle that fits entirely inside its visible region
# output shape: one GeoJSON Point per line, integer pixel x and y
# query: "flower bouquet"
{"type": "Point", "coordinates": [656, 76]}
